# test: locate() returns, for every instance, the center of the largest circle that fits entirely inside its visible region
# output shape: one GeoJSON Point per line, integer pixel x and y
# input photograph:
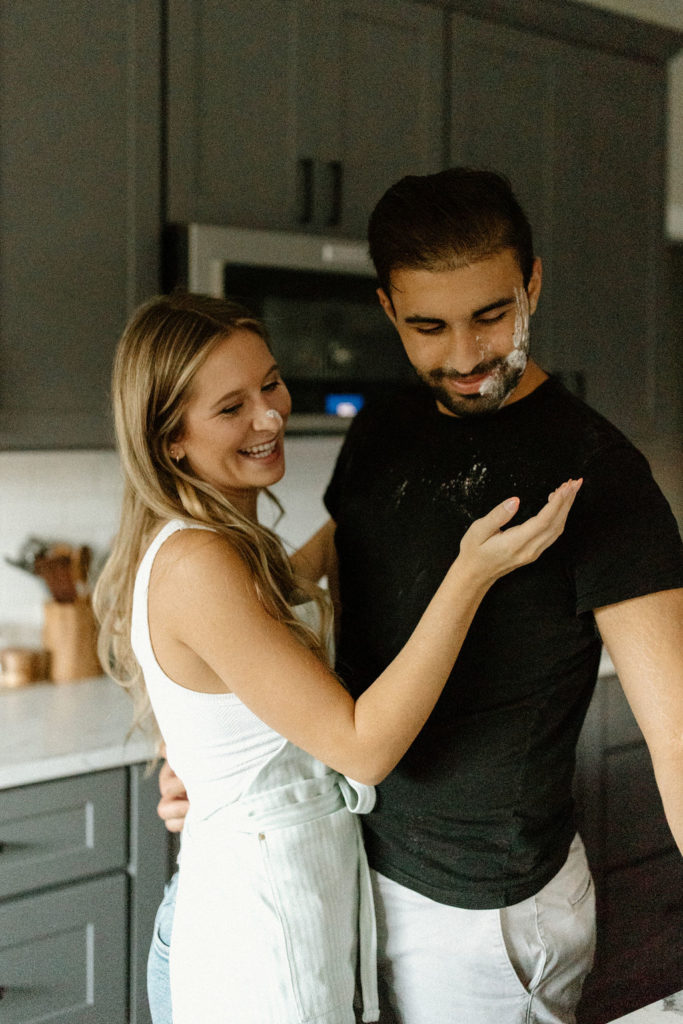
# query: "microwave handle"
{"type": "Point", "coordinates": [305, 189]}
{"type": "Point", "coordinates": [336, 172]}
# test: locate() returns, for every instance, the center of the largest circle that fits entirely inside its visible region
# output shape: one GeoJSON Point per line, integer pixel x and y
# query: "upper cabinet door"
{"type": "Point", "coordinates": [298, 115]}
{"type": "Point", "coordinates": [608, 242]}
{"type": "Point", "coordinates": [502, 84]}
{"type": "Point", "coordinates": [373, 110]}
{"type": "Point", "coordinates": [580, 134]}
{"type": "Point", "coordinates": [79, 216]}
{"type": "Point", "coordinates": [231, 103]}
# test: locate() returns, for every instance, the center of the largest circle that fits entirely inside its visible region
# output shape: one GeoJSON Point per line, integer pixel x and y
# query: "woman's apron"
{"type": "Point", "coordinates": [275, 910]}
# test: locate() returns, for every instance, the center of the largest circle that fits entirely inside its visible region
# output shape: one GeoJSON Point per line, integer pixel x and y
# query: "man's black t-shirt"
{"type": "Point", "coordinates": [479, 812]}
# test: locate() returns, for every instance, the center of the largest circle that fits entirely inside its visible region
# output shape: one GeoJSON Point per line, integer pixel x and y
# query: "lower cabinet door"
{"type": "Point", "coordinates": [63, 955]}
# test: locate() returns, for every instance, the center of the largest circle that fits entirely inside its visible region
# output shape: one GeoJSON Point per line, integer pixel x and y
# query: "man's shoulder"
{"type": "Point", "coordinates": [568, 420]}
{"type": "Point", "coordinates": [405, 400]}
{"type": "Point", "coordinates": [391, 414]}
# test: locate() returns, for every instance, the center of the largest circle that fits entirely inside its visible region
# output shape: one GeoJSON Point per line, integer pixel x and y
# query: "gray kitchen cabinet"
{"type": "Point", "coordinates": [580, 132]}
{"type": "Point", "coordinates": [79, 217]}
{"type": "Point", "coordinates": [61, 955]}
{"type": "Point", "coordinates": [57, 831]}
{"type": "Point", "coordinates": [637, 868]}
{"type": "Point", "coordinates": [83, 861]}
{"type": "Point", "coordinates": [298, 115]}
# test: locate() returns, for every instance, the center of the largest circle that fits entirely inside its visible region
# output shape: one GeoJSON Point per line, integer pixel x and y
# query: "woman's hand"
{"type": "Point", "coordinates": [493, 552]}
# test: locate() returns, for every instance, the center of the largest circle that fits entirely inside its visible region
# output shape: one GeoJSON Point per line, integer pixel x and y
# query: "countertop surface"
{"type": "Point", "coordinates": [51, 730]}
{"type": "Point", "coordinates": [665, 1011]}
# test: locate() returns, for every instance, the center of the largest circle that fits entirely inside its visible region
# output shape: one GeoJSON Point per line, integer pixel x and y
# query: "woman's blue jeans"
{"type": "Point", "coordinates": [158, 979]}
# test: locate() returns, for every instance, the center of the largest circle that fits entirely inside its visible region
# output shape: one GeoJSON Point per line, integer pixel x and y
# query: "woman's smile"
{"type": "Point", "coordinates": [234, 421]}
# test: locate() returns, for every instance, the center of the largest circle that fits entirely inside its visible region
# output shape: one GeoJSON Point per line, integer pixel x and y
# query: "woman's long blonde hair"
{"type": "Point", "coordinates": [162, 347]}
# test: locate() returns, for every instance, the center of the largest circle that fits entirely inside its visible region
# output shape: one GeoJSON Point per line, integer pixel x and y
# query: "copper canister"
{"type": "Point", "coordinates": [20, 666]}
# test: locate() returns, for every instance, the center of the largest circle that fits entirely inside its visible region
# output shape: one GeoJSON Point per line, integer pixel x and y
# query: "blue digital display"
{"type": "Point", "coordinates": [346, 405]}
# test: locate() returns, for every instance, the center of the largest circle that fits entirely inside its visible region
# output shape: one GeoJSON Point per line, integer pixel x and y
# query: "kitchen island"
{"type": "Point", "coordinates": [83, 855]}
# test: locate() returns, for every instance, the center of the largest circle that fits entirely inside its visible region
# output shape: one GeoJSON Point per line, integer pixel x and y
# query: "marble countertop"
{"type": "Point", "coordinates": [51, 730]}
{"type": "Point", "coordinates": [655, 1012]}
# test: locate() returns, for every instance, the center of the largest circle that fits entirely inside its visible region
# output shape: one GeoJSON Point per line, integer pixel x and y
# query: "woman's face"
{"type": "Point", "coordinates": [234, 420]}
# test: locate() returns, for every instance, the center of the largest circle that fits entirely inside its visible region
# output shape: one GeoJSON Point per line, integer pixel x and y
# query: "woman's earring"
{"type": "Point", "coordinates": [175, 455]}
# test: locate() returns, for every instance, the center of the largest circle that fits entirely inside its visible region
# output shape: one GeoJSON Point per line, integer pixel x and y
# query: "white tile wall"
{"type": "Point", "coordinates": [310, 461]}
{"type": "Point", "coordinates": [75, 496]}
{"type": "Point", "coordinates": [69, 496]}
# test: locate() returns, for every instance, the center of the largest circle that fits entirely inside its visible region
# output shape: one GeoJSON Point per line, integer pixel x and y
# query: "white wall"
{"type": "Point", "coordinates": [57, 496]}
{"type": "Point", "coordinates": [668, 13]}
{"type": "Point", "coordinates": [75, 497]}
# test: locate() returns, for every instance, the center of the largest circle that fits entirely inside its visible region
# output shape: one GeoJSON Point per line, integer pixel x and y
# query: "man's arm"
{"type": "Point", "coordinates": [644, 638]}
{"type": "Point", "coordinates": [317, 557]}
{"type": "Point", "coordinates": [173, 805]}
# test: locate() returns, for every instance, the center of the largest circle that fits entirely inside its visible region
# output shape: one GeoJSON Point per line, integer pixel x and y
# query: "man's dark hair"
{"type": "Point", "coordinates": [442, 221]}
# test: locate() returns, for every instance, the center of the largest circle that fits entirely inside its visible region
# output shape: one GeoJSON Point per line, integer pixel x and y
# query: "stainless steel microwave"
{"type": "Point", "coordinates": [317, 297]}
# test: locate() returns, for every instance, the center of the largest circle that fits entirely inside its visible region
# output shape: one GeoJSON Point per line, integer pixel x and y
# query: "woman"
{"type": "Point", "coordinates": [203, 615]}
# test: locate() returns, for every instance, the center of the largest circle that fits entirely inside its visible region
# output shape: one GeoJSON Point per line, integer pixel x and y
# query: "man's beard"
{"type": "Point", "coordinates": [504, 376]}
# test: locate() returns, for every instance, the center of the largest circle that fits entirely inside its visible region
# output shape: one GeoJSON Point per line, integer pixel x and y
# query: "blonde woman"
{"type": "Point", "coordinates": [204, 616]}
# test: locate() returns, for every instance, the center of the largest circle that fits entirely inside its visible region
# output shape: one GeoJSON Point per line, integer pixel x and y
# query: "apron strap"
{"type": "Point", "coordinates": [367, 929]}
{"type": "Point", "coordinates": [359, 798]}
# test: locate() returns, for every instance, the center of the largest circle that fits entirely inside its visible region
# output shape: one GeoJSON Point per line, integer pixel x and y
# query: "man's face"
{"type": "Point", "coordinates": [466, 331]}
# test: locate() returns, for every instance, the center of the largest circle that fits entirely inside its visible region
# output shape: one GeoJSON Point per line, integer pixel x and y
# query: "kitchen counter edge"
{"type": "Point", "coordinates": [53, 731]}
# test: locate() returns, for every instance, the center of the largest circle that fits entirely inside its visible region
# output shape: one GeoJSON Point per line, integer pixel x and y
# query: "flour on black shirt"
{"type": "Point", "coordinates": [479, 812]}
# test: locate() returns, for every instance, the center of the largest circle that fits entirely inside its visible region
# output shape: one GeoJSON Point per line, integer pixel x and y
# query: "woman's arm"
{"type": "Point", "coordinates": [207, 604]}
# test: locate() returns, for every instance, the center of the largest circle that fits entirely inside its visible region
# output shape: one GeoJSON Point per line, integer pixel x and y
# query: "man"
{"type": "Point", "coordinates": [484, 899]}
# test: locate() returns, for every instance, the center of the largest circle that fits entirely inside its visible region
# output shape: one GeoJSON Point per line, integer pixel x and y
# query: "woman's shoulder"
{"type": "Point", "coordinates": [172, 535]}
{"type": "Point", "coordinates": [184, 549]}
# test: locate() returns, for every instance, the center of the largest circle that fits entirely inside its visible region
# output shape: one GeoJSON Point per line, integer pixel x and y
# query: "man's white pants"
{"type": "Point", "coordinates": [524, 964]}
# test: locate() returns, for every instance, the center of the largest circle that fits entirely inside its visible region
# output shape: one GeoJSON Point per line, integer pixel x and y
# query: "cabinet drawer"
{"type": "Point", "coordinates": [54, 832]}
{"type": "Point", "coordinates": [621, 727]}
{"type": "Point", "coordinates": [635, 824]}
{"type": "Point", "coordinates": [63, 955]}
{"type": "Point", "coordinates": [643, 910]}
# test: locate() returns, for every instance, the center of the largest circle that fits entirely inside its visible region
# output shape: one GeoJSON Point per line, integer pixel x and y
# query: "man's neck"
{"type": "Point", "coordinates": [532, 378]}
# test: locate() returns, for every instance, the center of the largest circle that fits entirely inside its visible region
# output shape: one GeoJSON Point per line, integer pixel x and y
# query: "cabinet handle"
{"type": "Point", "coordinates": [336, 192]}
{"type": "Point", "coordinates": [305, 190]}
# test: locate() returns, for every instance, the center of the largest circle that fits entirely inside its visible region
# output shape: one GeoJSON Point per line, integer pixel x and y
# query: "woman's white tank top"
{"type": "Point", "coordinates": [214, 743]}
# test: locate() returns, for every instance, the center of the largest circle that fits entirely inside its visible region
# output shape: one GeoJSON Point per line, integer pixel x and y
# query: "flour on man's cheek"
{"type": "Point", "coordinates": [502, 381]}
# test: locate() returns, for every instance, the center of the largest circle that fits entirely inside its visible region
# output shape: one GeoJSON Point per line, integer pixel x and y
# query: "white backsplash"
{"type": "Point", "coordinates": [71, 496]}
{"type": "Point", "coordinates": [74, 496]}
